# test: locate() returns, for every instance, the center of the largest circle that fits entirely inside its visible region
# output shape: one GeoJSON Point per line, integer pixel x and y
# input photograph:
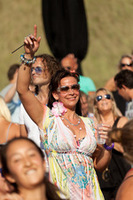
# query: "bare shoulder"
{"type": "Point", "coordinates": [110, 84]}
{"type": "Point", "coordinates": [15, 125]}
{"type": "Point", "coordinates": [122, 121]}
{"type": "Point", "coordinates": [125, 190]}
{"type": "Point", "coordinates": [16, 129]}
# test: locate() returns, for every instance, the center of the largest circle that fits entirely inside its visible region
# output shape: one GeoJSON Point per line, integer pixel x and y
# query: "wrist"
{"type": "Point", "coordinates": [108, 148]}
{"type": "Point", "coordinates": [27, 60]}
{"type": "Point", "coordinates": [28, 56]}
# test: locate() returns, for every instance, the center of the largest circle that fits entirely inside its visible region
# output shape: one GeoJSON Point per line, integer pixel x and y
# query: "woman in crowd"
{"type": "Point", "coordinates": [8, 130]}
{"type": "Point", "coordinates": [24, 168]}
{"type": "Point", "coordinates": [41, 72]}
{"type": "Point", "coordinates": [68, 139]}
{"type": "Point", "coordinates": [106, 112]}
{"type": "Point", "coordinates": [124, 136]}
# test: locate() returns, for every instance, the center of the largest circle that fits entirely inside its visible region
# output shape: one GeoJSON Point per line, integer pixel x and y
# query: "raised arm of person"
{"type": "Point", "coordinates": [33, 107]}
{"type": "Point", "coordinates": [10, 94]}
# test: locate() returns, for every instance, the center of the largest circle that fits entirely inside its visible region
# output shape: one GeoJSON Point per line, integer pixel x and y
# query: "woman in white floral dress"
{"type": "Point", "coordinates": [68, 139]}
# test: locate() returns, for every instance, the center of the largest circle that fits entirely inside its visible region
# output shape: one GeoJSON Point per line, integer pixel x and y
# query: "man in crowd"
{"type": "Point", "coordinates": [10, 94]}
{"type": "Point", "coordinates": [124, 83]}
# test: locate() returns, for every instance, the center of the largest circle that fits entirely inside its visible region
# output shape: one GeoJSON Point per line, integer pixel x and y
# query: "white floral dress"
{"type": "Point", "coordinates": [71, 166]}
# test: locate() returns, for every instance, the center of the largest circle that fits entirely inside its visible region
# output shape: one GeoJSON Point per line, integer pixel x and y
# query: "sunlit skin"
{"type": "Point", "coordinates": [71, 97]}
{"type": "Point", "coordinates": [25, 164]}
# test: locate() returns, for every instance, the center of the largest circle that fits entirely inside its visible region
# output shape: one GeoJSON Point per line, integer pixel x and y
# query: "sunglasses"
{"type": "Point", "coordinates": [38, 70]}
{"type": "Point", "coordinates": [100, 97]}
{"type": "Point", "coordinates": [128, 65]}
{"type": "Point", "coordinates": [64, 89]}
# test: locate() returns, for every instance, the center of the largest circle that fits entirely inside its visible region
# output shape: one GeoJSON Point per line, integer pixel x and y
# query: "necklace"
{"type": "Point", "coordinates": [70, 122]}
{"type": "Point", "coordinates": [80, 128]}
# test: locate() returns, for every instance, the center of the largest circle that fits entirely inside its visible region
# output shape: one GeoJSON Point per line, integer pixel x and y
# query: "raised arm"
{"type": "Point", "coordinates": [33, 107]}
{"type": "Point", "coordinates": [10, 94]}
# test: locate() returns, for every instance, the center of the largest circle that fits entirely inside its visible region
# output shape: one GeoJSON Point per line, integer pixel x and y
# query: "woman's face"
{"type": "Point", "coordinates": [40, 74]}
{"type": "Point", "coordinates": [26, 166]}
{"type": "Point", "coordinates": [105, 102]}
{"type": "Point", "coordinates": [126, 63]}
{"type": "Point", "coordinates": [68, 92]}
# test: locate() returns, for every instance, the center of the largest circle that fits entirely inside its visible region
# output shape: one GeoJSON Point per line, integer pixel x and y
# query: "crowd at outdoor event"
{"type": "Point", "coordinates": [60, 136]}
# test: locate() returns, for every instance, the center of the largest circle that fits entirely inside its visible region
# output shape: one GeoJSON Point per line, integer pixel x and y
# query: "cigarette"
{"type": "Point", "coordinates": [17, 48]}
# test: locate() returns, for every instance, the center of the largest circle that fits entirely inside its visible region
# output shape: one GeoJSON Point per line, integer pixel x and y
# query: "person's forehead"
{"type": "Point", "coordinates": [101, 92]}
{"type": "Point", "coordinates": [69, 80]}
{"type": "Point", "coordinates": [67, 62]}
{"type": "Point", "coordinates": [126, 59]}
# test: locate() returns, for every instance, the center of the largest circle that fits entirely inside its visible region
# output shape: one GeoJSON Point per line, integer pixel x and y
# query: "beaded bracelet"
{"type": "Point", "coordinates": [109, 147]}
{"type": "Point", "coordinates": [27, 61]}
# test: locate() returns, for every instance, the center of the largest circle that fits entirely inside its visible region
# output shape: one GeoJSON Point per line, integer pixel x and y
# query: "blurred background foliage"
{"type": "Point", "coordinates": [110, 33]}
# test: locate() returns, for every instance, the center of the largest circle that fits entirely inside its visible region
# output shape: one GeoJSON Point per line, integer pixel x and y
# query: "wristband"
{"type": "Point", "coordinates": [109, 147]}
{"type": "Point", "coordinates": [27, 61]}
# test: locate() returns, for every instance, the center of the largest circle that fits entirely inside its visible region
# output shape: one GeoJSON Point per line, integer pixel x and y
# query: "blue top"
{"type": "Point", "coordinates": [86, 84]}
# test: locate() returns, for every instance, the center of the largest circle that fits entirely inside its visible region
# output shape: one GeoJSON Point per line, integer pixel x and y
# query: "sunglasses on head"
{"type": "Point", "coordinates": [126, 64]}
{"type": "Point", "coordinates": [38, 70]}
{"type": "Point", "coordinates": [100, 97]}
{"type": "Point", "coordinates": [74, 87]}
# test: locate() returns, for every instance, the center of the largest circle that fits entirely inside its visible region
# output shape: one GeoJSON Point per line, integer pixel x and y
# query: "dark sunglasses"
{"type": "Point", "coordinates": [128, 65]}
{"type": "Point", "coordinates": [106, 96]}
{"type": "Point", "coordinates": [74, 87]}
{"type": "Point", "coordinates": [38, 70]}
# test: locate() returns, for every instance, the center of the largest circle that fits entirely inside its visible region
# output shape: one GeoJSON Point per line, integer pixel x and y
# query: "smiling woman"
{"type": "Point", "coordinates": [24, 168]}
{"type": "Point", "coordinates": [107, 113]}
{"type": "Point", "coordinates": [67, 138]}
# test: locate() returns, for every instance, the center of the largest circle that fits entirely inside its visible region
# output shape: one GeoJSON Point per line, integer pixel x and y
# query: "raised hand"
{"type": "Point", "coordinates": [32, 43]}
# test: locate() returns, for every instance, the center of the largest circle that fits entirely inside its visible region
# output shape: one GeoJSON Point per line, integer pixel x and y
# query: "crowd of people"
{"type": "Point", "coordinates": [69, 140]}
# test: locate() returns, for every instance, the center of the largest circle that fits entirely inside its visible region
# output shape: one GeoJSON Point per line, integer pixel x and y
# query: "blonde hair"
{"type": "Point", "coordinates": [114, 107]}
{"type": "Point", "coordinates": [124, 136]}
{"type": "Point", "coordinates": [4, 111]}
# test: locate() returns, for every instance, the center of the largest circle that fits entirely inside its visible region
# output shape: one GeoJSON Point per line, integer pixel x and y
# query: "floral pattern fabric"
{"type": "Point", "coordinates": [70, 166]}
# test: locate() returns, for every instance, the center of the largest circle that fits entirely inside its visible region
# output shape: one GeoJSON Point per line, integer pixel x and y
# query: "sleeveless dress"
{"type": "Point", "coordinates": [70, 166]}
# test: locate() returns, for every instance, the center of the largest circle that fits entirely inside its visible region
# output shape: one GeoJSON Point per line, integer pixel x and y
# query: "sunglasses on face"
{"type": "Point", "coordinates": [126, 64]}
{"type": "Point", "coordinates": [100, 97]}
{"type": "Point", "coordinates": [64, 89]}
{"type": "Point", "coordinates": [38, 70]}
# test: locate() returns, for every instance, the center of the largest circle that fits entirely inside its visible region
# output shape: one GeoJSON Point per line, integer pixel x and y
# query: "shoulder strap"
{"type": "Point", "coordinates": [116, 122]}
{"type": "Point", "coordinates": [127, 178]}
{"type": "Point", "coordinates": [7, 133]}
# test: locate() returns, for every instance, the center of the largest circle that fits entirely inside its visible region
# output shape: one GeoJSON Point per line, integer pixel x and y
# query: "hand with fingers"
{"type": "Point", "coordinates": [32, 43]}
{"type": "Point", "coordinates": [102, 133]}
